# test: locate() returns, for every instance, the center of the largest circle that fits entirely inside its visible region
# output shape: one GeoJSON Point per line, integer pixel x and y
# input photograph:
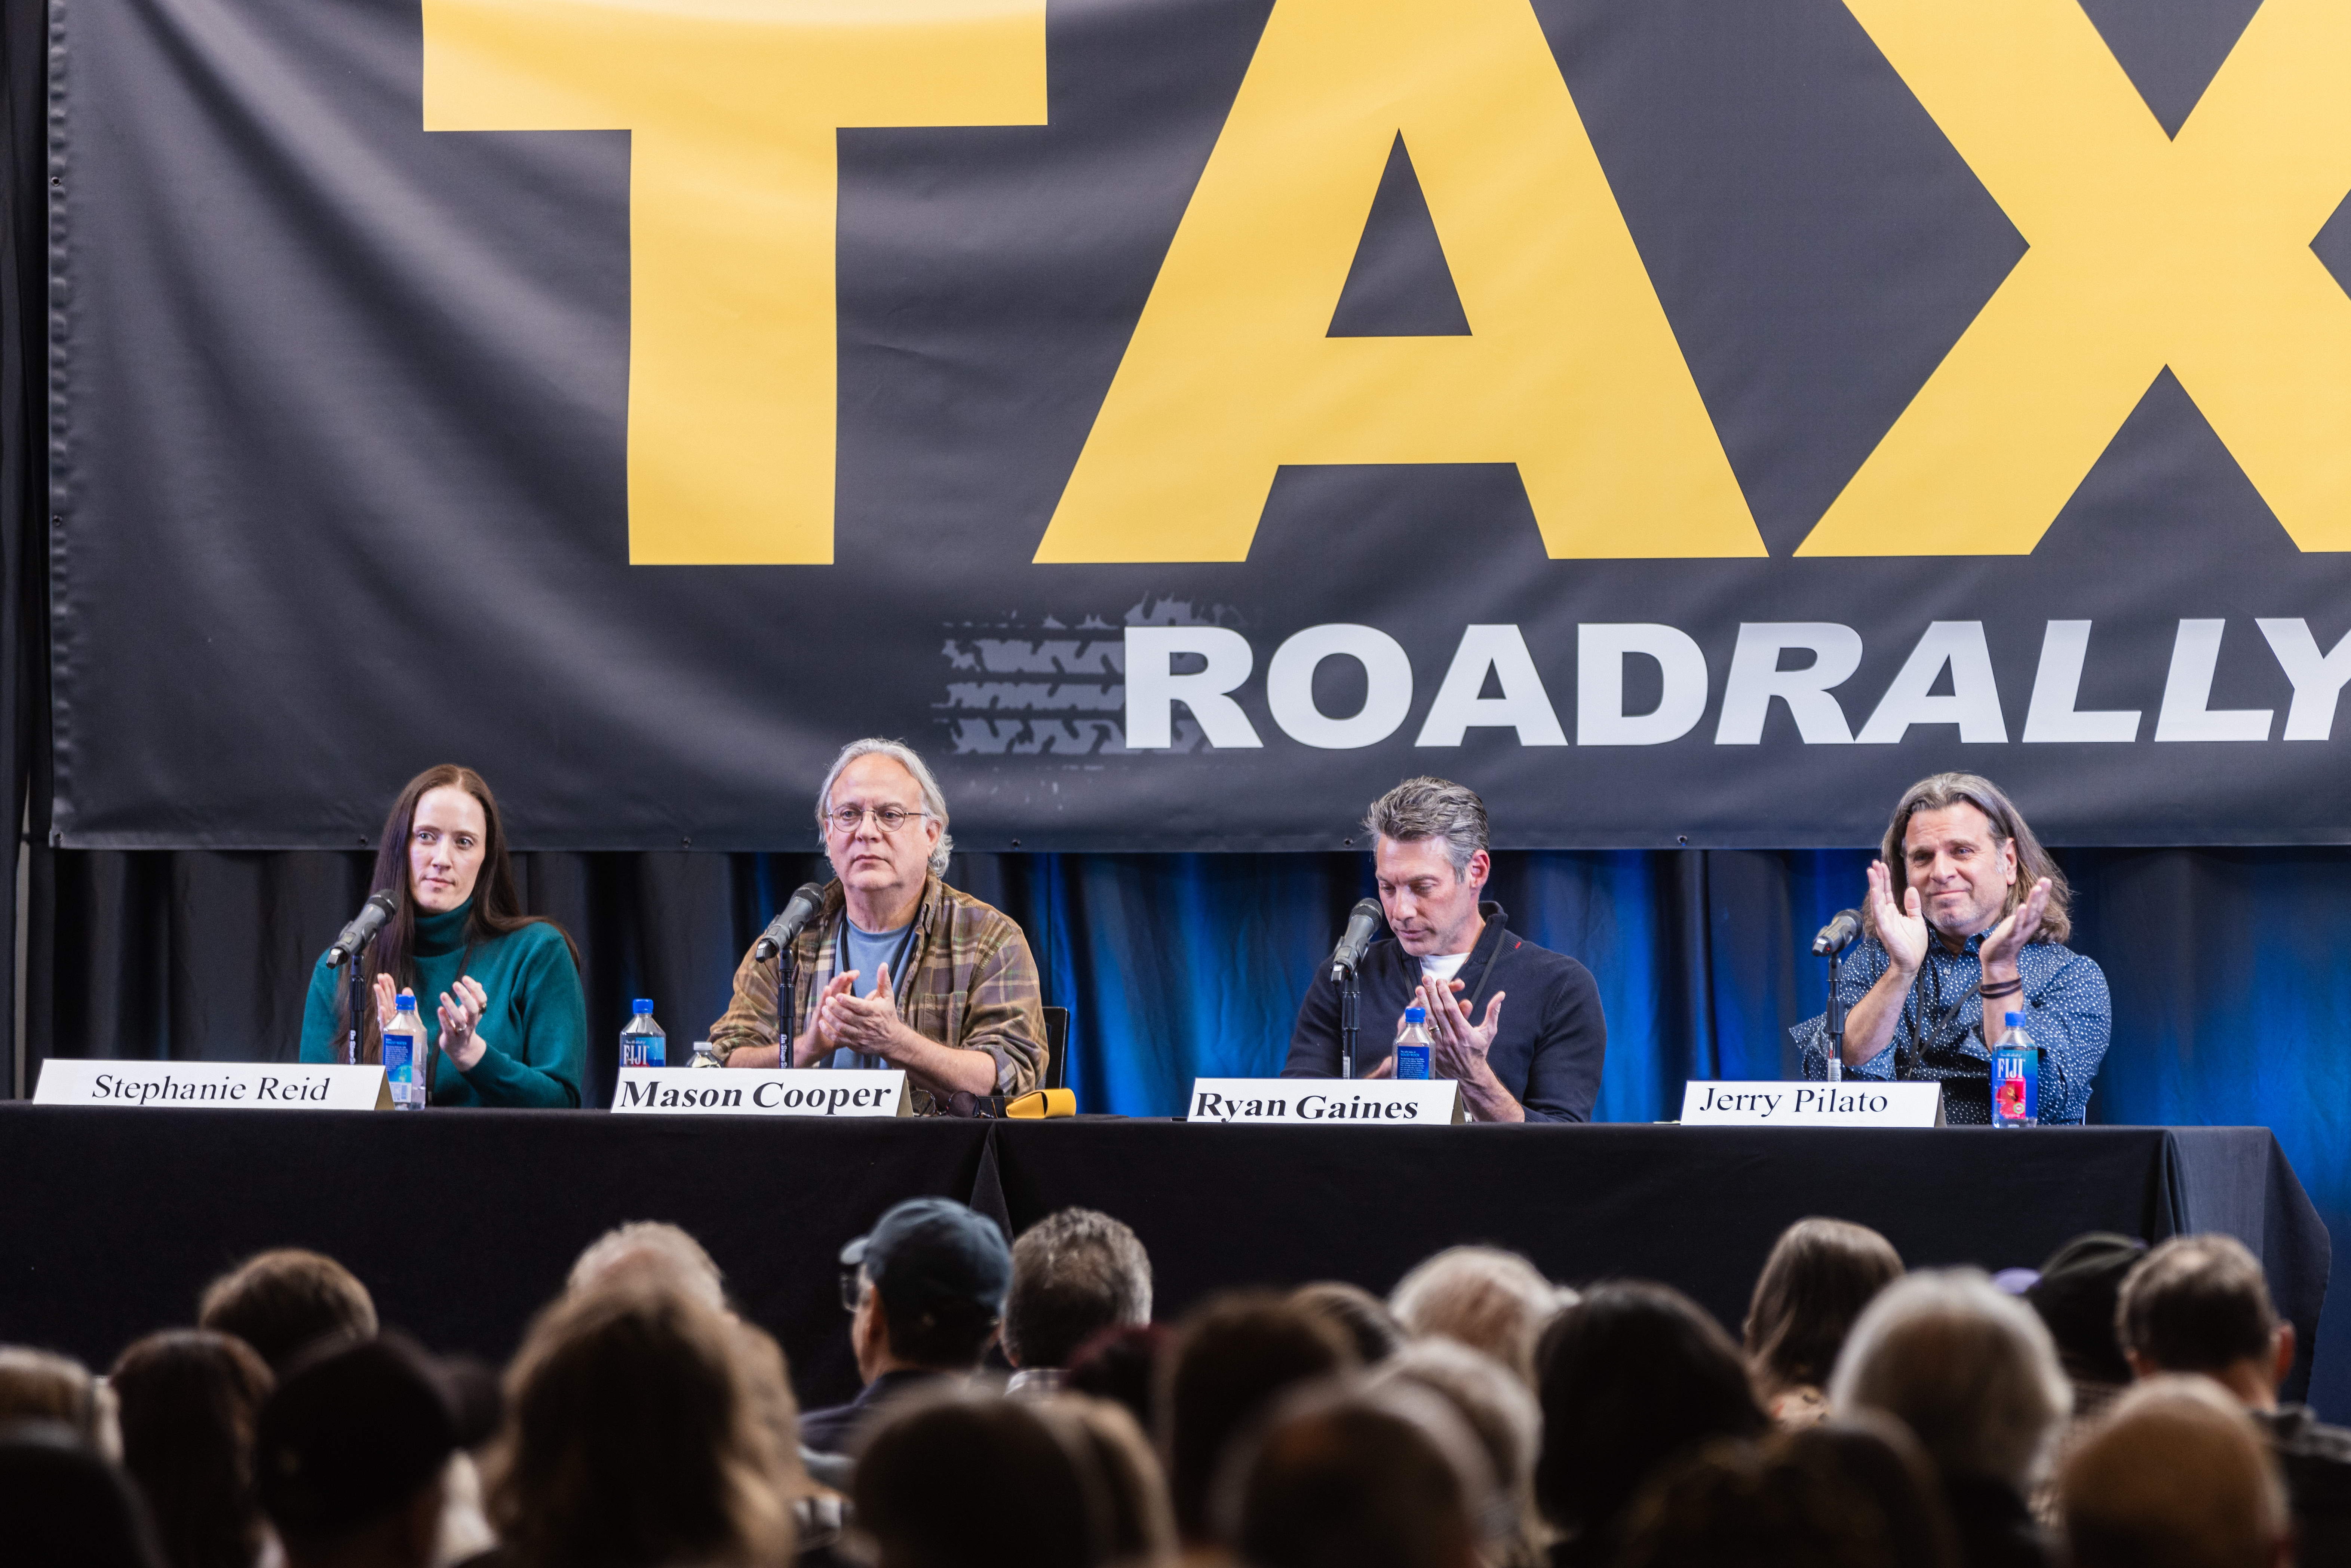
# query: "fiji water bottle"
{"type": "Point", "coordinates": [1414, 1049]}
{"type": "Point", "coordinates": [2015, 1077]}
{"type": "Point", "coordinates": [642, 1044]}
{"type": "Point", "coordinates": [400, 1056]}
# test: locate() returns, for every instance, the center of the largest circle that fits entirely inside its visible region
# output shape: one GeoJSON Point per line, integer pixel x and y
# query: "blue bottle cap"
{"type": "Point", "coordinates": [644, 1004]}
{"type": "Point", "coordinates": [2016, 1020]}
{"type": "Point", "coordinates": [405, 1005]}
{"type": "Point", "coordinates": [1416, 1015]}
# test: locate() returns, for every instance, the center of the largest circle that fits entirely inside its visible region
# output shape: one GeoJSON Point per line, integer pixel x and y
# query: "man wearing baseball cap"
{"type": "Point", "coordinates": [349, 1454]}
{"type": "Point", "coordinates": [927, 1286]}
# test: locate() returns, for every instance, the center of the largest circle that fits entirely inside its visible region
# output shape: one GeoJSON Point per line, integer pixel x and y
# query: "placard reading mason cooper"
{"type": "Point", "coordinates": [211, 1085]}
{"type": "Point", "coordinates": [764, 1092]}
{"type": "Point", "coordinates": [1383, 1103]}
{"type": "Point", "coordinates": [1780, 1105]}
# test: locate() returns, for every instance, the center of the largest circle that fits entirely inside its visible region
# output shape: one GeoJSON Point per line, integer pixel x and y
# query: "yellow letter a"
{"type": "Point", "coordinates": [1571, 371]}
{"type": "Point", "coordinates": [734, 106]}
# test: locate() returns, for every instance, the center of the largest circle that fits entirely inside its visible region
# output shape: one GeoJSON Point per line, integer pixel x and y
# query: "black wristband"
{"type": "Point", "coordinates": [2001, 988]}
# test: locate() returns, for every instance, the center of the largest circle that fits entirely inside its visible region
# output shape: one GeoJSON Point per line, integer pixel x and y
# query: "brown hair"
{"type": "Point", "coordinates": [1232, 1354]}
{"type": "Point", "coordinates": [190, 1400]}
{"type": "Point", "coordinates": [496, 907]}
{"type": "Point", "coordinates": [2195, 1303]}
{"type": "Point", "coordinates": [632, 1436]}
{"type": "Point", "coordinates": [286, 1299]}
{"type": "Point", "coordinates": [41, 1386]}
{"type": "Point", "coordinates": [1820, 1275]}
{"type": "Point", "coordinates": [1944, 790]}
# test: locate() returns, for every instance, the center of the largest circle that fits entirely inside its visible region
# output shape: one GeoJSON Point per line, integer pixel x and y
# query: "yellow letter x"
{"type": "Point", "coordinates": [2145, 251]}
{"type": "Point", "coordinates": [733, 106]}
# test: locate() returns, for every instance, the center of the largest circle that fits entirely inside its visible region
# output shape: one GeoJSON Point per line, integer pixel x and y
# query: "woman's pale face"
{"type": "Point", "coordinates": [445, 846]}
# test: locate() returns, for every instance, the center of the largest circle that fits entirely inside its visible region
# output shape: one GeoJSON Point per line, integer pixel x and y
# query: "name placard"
{"type": "Point", "coordinates": [762, 1092]}
{"type": "Point", "coordinates": [217, 1085]}
{"type": "Point", "coordinates": [1364, 1103]}
{"type": "Point", "coordinates": [1855, 1102]}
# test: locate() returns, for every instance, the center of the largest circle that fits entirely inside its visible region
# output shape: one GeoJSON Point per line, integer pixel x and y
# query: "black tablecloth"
{"type": "Point", "coordinates": [463, 1223]}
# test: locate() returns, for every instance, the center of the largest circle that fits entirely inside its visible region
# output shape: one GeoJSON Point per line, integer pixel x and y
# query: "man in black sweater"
{"type": "Point", "coordinates": [1537, 1060]}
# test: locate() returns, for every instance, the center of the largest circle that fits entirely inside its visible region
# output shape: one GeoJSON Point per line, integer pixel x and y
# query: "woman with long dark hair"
{"type": "Point", "coordinates": [510, 1027]}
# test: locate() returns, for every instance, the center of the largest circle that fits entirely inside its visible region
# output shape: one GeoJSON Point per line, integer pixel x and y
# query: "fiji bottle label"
{"type": "Point", "coordinates": [1411, 1062]}
{"type": "Point", "coordinates": [2015, 1088]}
{"type": "Point", "coordinates": [398, 1061]}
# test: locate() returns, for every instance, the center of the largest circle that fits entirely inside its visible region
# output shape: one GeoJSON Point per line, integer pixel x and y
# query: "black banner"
{"type": "Point", "coordinates": [1681, 419]}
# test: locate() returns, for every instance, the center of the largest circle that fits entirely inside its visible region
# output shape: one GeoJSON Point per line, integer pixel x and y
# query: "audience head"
{"type": "Point", "coordinates": [1630, 1376]}
{"type": "Point", "coordinates": [2174, 1475]}
{"type": "Point", "coordinates": [1967, 1367]}
{"type": "Point", "coordinates": [349, 1454]}
{"type": "Point", "coordinates": [633, 1438]}
{"type": "Point", "coordinates": [285, 1301]}
{"type": "Point", "coordinates": [1074, 1274]}
{"type": "Point", "coordinates": [1354, 1311]}
{"type": "Point", "coordinates": [1791, 1503]}
{"type": "Point", "coordinates": [63, 1503]}
{"type": "Point", "coordinates": [1122, 1365]}
{"type": "Point", "coordinates": [1877, 1456]}
{"type": "Point", "coordinates": [1341, 1476]}
{"type": "Point", "coordinates": [2199, 1303]}
{"type": "Point", "coordinates": [189, 1403]}
{"type": "Point", "coordinates": [2075, 1296]}
{"type": "Point", "coordinates": [767, 1384]}
{"type": "Point", "coordinates": [1487, 1299]}
{"type": "Point", "coordinates": [1497, 1405]}
{"type": "Point", "coordinates": [1141, 1525]}
{"type": "Point", "coordinates": [653, 1251]}
{"type": "Point", "coordinates": [933, 1277]}
{"type": "Point", "coordinates": [938, 1469]}
{"type": "Point", "coordinates": [39, 1385]}
{"type": "Point", "coordinates": [1232, 1355]}
{"type": "Point", "coordinates": [1821, 1274]}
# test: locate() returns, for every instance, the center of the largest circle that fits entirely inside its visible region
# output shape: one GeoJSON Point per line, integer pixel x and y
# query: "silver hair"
{"type": "Point", "coordinates": [1421, 808]}
{"type": "Point", "coordinates": [901, 753]}
{"type": "Point", "coordinates": [651, 1250]}
{"type": "Point", "coordinates": [1487, 1299]}
{"type": "Point", "coordinates": [1500, 1408]}
{"type": "Point", "coordinates": [1969, 1368]}
{"type": "Point", "coordinates": [1075, 1273]}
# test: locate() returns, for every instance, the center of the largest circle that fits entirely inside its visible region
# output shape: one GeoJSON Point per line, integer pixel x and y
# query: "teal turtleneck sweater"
{"type": "Point", "coordinates": [534, 1033]}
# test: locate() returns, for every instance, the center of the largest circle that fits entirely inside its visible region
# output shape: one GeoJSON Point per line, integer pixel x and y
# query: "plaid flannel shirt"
{"type": "Point", "coordinates": [970, 982]}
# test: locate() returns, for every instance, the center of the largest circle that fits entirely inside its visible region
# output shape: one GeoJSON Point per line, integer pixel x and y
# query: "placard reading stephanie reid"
{"type": "Point", "coordinates": [1365, 1102]}
{"type": "Point", "coordinates": [762, 1092]}
{"type": "Point", "coordinates": [1852, 1103]}
{"type": "Point", "coordinates": [213, 1085]}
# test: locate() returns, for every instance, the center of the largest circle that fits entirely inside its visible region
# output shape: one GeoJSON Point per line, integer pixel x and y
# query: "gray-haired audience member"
{"type": "Point", "coordinates": [2199, 1303]}
{"type": "Point", "coordinates": [1971, 1372]}
{"type": "Point", "coordinates": [286, 1299]}
{"type": "Point", "coordinates": [1502, 1412]}
{"type": "Point", "coordinates": [1487, 1299]}
{"type": "Point", "coordinates": [926, 1287]}
{"type": "Point", "coordinates": [41, 1386]}
{"type": "Point", "coordinates": [651, 1250]}
{"type": "Point", "coordinates": [1355, 1313]}
{"type": "Point", "coordinates": [1074, 1274]}
{"type": "Point", "coordinates": [1631, 1377]}
{"type": "Point", "coordinates": [1341, 1476]}
{"type": "Point", "coordinates": [1518, 1027]}
{"type": "Point", "coordinates": [350, 1452]}
{"type": "Point", "coordinates": [2175, 1476]}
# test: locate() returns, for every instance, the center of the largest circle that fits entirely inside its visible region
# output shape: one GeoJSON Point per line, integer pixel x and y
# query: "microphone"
{"type": "Point", "coordinates": [805, 902]}
{"type": "Point", "coordinates": [379, 908]}
{"type": "Point", "coordinates": [1838, 934]}
{"type": "Point", "coordinates": [1363, 925]}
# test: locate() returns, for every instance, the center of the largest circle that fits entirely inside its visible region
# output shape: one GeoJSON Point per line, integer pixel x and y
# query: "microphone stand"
{"type": "Point", "coordinates": [357, 993]}
{"type": "Point", "coordinates": [1350, 1000]}
{"type": "Point", "coordinates": [1835, 1020]}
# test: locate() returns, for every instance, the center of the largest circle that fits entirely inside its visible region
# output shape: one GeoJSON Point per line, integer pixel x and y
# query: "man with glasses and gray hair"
{"type": "Point", "coordinates": [897, 969]}
{"type": "Point", "coordinates": [1537, 1060]}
